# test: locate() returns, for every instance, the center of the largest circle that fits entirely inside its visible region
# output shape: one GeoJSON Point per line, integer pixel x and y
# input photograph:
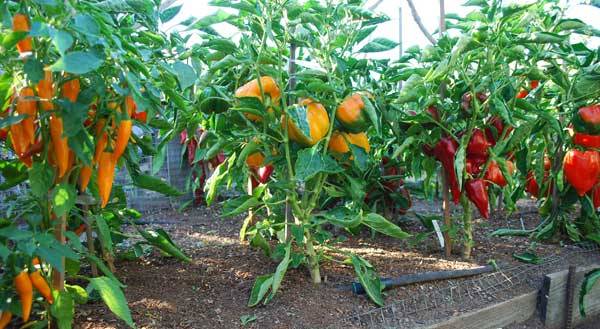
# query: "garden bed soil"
{"type": "Point", "coordinates": [212, 291]}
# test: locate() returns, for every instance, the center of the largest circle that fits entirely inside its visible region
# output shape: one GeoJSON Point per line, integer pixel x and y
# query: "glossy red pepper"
{"type": "Point", "coordinates": [391, 184]}
{"type": "Point", "coordinates": [474, 163]}
{"type": "Point", "coordinates": [532, 85]}
{"type": "Point", "coordinates": [585, 140]}
{"type": "Point", "coordinates": [581, 169]}
{"type": "Point", "coordinates": [445, 152]}
{"type": "Point", "coordinates": [587, 119]}
{"type": "Point", "coordinates": [494, 173]}
{"type": "Point", "coordinates": [191, 151]}
{"type": "Point", "coordinates": [476, 190]}
{"type": "Point", "coordinates": [478, 144]}
{"type": "Point", "coordinates": [531, 185]}
{"type": "Point", "coordinates": [264, 173]}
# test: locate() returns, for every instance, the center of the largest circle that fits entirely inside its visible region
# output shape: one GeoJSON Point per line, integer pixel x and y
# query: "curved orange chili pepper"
{"type": "Point", "coordinates": [27, 106]}
{"type": "Point", "coordinates": [106, 175]}
{"type": "Point", "coordinates": [38, 281]}
{"type": "Point", "coordinates": [5, 319]}
{"type": "Point", "coordinates": [70, 89]}
{"type": "Point", "coordinates": [24, 289]}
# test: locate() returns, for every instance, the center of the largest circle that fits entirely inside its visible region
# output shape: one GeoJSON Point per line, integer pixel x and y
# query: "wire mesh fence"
{"type": "Point", "coordinates": [467, 294]}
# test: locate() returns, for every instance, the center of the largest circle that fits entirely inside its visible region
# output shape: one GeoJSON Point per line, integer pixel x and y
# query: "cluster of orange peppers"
{"type": "Point", "coordinates": [23, 134]}
{"type": "Point", "coordinates": [24, 284]}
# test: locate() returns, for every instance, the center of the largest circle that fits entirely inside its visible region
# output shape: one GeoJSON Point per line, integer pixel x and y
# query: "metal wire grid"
{"type": "Point", "coordinates": [420, 310]}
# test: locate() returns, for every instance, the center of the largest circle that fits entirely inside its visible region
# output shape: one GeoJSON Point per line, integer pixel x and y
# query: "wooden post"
{"type": "Point", "coordinates": [553, 299]}
{"type": "Point", "coordinates": [291, 100]}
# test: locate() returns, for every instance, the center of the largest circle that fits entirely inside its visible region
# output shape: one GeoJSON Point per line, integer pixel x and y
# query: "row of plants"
{"type": "Point", "coordinates": [76, 77]}
{"type": "Point", "coordinates": [321, 135]}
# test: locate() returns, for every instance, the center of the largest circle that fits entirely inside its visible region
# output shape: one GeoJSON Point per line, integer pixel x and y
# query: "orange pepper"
{"type": "Point", "coordinates": [45, 91]}
{"type": "Point", "coordinates": [5, 319]}
{"type": "Point", "coordinates": [84, 177]}
{"type": "Point", "coordinates": [21, 24]}
{"type": "Point", "coordinates": [106, 175]}
{"type": "Point", "coordinates": [38, 281]}
{"type": "Point", "coordinates": [27, 107]}
{"type": "Point", "coordinates": [70, 89]}
{"type": "Point", "coordinates": [24, 289]}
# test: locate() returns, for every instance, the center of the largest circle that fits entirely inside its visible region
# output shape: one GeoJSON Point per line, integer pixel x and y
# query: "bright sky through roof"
{"type": "Point", "coordinates": [427, 9]}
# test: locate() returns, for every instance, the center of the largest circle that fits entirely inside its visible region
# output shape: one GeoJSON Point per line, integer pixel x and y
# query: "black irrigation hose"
{"type": "Point", "coordinates": [407, 279]}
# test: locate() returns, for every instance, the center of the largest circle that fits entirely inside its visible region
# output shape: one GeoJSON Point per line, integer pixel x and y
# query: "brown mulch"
{"type": "Point", "coordinates": [212, 291]}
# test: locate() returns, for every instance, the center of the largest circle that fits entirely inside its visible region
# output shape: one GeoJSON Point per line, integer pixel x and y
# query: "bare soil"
{"type": "Point", "coordinates": [212, 291]}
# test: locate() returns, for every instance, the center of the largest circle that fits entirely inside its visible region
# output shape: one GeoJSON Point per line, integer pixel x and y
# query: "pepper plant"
{"type": "Point", "coordinates": [297, 133]}
{"type": "Point", "coordinates": [500, 72]}
{"type": "Point", "coordinates": [75, 77]}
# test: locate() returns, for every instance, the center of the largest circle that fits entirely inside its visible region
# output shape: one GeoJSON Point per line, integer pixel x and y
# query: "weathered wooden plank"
{"type": "Point", "coordinates": [553, 298]}
{"type": "Point", "coordinates": [515, 310]}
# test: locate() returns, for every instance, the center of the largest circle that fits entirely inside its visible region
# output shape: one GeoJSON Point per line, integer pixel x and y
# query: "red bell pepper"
{"type": "Point", "coordinates": [478, 145]}
{"type": "Point", "coordinates": [445, 152]}
{"type": "Point", "coordinates": [494, 173]}
{"type": "Point", "coordinates": [585, 140]}
{"type": "Point", "coordinates": [587, 119]}
{"type": "Point", "coordinates": [390, 169]}
{"type": "Point", "coordinates": [217, 159]}
{"type": "Point", "coordinates": [476, 190]}
{"type": "Point", "coordinates": [581, 169]}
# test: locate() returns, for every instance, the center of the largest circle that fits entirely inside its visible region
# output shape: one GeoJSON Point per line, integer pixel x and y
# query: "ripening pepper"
{"type": "Point", "coordinates": [21, 24]}
{"type": "Point", "coordinates": [71, 89]}
{"type": "Point", "coordinates": [338, 144]}
{"type": "Point", "coordinates": [5, 319]}
{"type": "Point", "coordinates": [101, 140]}
{"type": "Point", "coordinates": [26, 105]}
{"type": "Point", "coordinates": [123, 135]}
{"type": "Point", "coordinates": [253, 89]}
{"type": "Point", "coordinates": [474, 163]}
{"type": "Point", "coordinates": [191, 150]}
{"type": "Point", "coordinates": [255, 160]}
{"type": "Point", "coordinates": [45, 91]}
{"type": "Point", "coordinates": [106, 175]}
{"type": "Point", "coordinates": [124, 129]}
{"type": "Point", "coordinates": [84, 178]}
{"type": "Point", "coordinates": [141, 116]}
{"type": "Point", "coordinates": [318, 124]}
{"type": "Point", "coordinates": [20, 143]}
{"type": "Point", "coordinates": [60, 145]}
{"type": "Point", "coordinates": [587, 119]}
{"type": "Point", "coordinates": [532, 85]}
{"type": "Point", "coordinates": [587, 141]}
{"type": "Point", "coordinates": [581, 169]}
{"type": "Point", "coordinates": [476, 190]}
{"type": "Point", "coordinates": [494, 173]}
{"type": "Point", "coordinates": [351, 113]}
{"type": "Point", "coordinates": [478, 144]}
{"type": "Point", "coordinates": [391, 184]}
{"type": "Point", "coordinates": [24, 289]}
{"type": "Point", "coordinates": [531, 185]}
{"type": "Point", "coordinates": [264, 173]}
{"type": "Point", "coordinates": [445, 152]}
{"type": "Point", "coordinates": [40, 284]}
